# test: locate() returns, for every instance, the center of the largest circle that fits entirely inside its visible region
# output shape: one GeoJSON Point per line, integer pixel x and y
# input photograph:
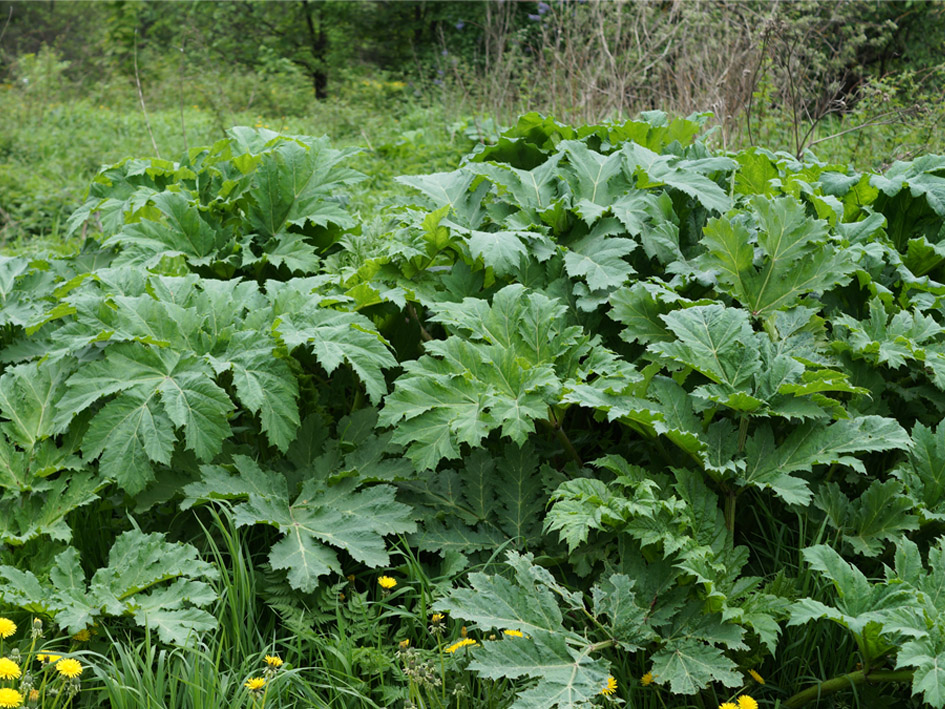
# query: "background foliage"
{"type": "Point", "coordinates": [612, 401]}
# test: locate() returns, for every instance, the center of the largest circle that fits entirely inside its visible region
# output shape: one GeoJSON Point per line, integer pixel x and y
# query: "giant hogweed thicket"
{"type": "Point", "coordinates": [591, 352]}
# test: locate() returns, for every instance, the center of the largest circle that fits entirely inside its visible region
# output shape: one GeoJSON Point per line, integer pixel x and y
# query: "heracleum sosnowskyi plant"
{"type": "Point", "coordinates": [564, 384]}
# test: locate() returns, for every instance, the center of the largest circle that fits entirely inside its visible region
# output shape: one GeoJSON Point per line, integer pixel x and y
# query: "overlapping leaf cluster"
{"type": "Point", "coordinates": [198, 329]}
{"type": "Point", "coordinates": [767, 333]}
{"type": "Point", "coordinates": [607, 355]}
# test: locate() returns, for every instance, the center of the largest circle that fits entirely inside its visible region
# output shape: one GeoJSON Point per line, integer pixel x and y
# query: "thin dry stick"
{"type": "Point", "coordinates": [6, 24]}
{"type": "Point", "coordinates": [754, 83]}
{"type": "Point", "coordinates": [180, 95]}
{"type": "Point", "coordinates": [868, 124]}
{"type": "Point", "coordinates": [144, 110]}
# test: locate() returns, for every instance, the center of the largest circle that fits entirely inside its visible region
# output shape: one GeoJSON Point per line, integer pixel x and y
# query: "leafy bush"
{"type": "Point", "coordinates": [652, 394]}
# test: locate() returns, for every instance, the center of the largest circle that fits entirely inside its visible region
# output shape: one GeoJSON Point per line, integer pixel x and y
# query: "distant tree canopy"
{"type": "Point", "coordinates": [322, 38]}
{"type": "Point", "coordinates": [329, 40]}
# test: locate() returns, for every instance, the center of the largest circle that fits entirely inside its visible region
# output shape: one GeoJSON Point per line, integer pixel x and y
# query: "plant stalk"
{"type": "Point", "coordinates": [412, 312]}
{"type": "Point", "coordinates": [563, 439]}
{"type": "Point", "coordinates": [144, 110]}
{"type": "Point", "coordinates": [729, 512]}
{"type": "Point", "coordinates": [842, 682]}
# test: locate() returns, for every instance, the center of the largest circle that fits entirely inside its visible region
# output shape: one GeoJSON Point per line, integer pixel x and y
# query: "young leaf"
{"type": "Point", "coordinates": [923, 474]}
{"type": "Point", "coordinates": [340, 515]}
{"type": "Point", "coordinates": [812, 444]}
{"type": "Point", "coordinates": [880, 514]}
{"type": "Point", "coordinates": [687, 666]}
{"type": "Point", "coordinates": [714, 340]}
{"type": "Point", "coordinates": [558, 658]}
{"type": "Point", "coordinates": [504, 373]}
{"type": "Point", "coordinates": [131, 584]}
{"type": "Point", "coordinates": [337, 337]}
{"type": "Point", "coordinates": [798, 257]}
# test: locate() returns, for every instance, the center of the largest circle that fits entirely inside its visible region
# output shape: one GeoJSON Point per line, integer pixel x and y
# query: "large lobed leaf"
{"type": "Point", "coordinates": [162, 585]}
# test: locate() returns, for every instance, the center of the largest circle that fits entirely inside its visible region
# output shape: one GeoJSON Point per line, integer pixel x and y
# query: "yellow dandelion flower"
{"type": "Point", "coordinates": [462, 631]}
{"type": "Point", "coordinates": [273, 661]}
{"type": "Point", "coordinates": [727, 705]}
{"type": "Point", "coordinates": [611, 686]}
{"type": "Point", "coordinates": [757, 677]}
{"type": "Point", "coordinates": [514, 633]}
{"type": "Point", "coordinates": [48, 658]}
{"type": "Point", "coordinates": [465, 642]}
{"type": "Point", "coordinates": [7, 627]}
{"type": "Point", "coordinates": [746, 702]}
{"type": "Point", "coordinates": [10, 698]}
{"type": "Point", "coordinates": [437, 618]}
{"type": "Point", "coordinates": [34, 695]}
{"type": "Point", "coordinates": [255, 684]}
{"type": "Point", "coordinates": [386, 582]}
{"type": "Point", "coordinates": [69, 667]}
{"type": "Point", "coordinates": [82, 636]}
{"type": "Point", "coordinates": [9, 669]}
{"type": "Point", "coordinates": [404, 644]}
{"type": "Point", "coordinates": [647, 679]}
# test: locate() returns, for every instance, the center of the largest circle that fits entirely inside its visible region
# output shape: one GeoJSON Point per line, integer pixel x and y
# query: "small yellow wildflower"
{"type": "Point", "coordinates": [9, 669]}
{"type": "Point", "coordinates": [69, 667]}
{"type": "Point", "coordinates": [386, 582]}
{"type": "Point", "coordinates": [647, 679]}
{"type": "Point", "coordinates": [10, 698]}
{"type": "Point", "coordinates": [757, 677]}
{"type": "Point", "coordinates": [437, 624]}
{"type": "Point", "coordinates": [7, 627]}
{"type": "Point", "coordinates": [255, 684]}
{"type": "Point", "coordinates": [34, 695]}
{"type": "Point", "coordinates": [514, 633]}
{"type": "Point", "coordinates": [727, 705]}
{"type": "Point", "coordinates": [48, 658]}
{"type": "Point", "coordinates": [82, 636]}
{"type": "Point", "coordinates": [465, 642]}
{"type": "Point", "coordinates": [746, 702]}
{"type": "Point", "coordinates": [273, 661]}
{"type": "Point", "coordinates": [611, 686]}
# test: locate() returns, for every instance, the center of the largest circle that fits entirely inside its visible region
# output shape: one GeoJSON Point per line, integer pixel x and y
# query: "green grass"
{"type": "Point", "coordinates": [50, 152]}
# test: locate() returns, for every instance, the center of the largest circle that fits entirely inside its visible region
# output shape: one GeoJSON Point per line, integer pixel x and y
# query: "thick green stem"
{"type": "Point", "coordinates": [742, 433]}
{"type": "Point", "coordinates": [597, 647]}
{"type": "Point", "coordinates": [563, 439]}
{"type": "Point", "coordinates": [412, 311]}
{"type": "Point", "coordinates": [729, 512]}
{"type": "Point", "coordinates": [837, 684]}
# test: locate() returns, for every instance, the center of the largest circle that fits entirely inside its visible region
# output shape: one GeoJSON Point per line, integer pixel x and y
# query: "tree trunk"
{"type": "Point", "coordinates": [318, 41]}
